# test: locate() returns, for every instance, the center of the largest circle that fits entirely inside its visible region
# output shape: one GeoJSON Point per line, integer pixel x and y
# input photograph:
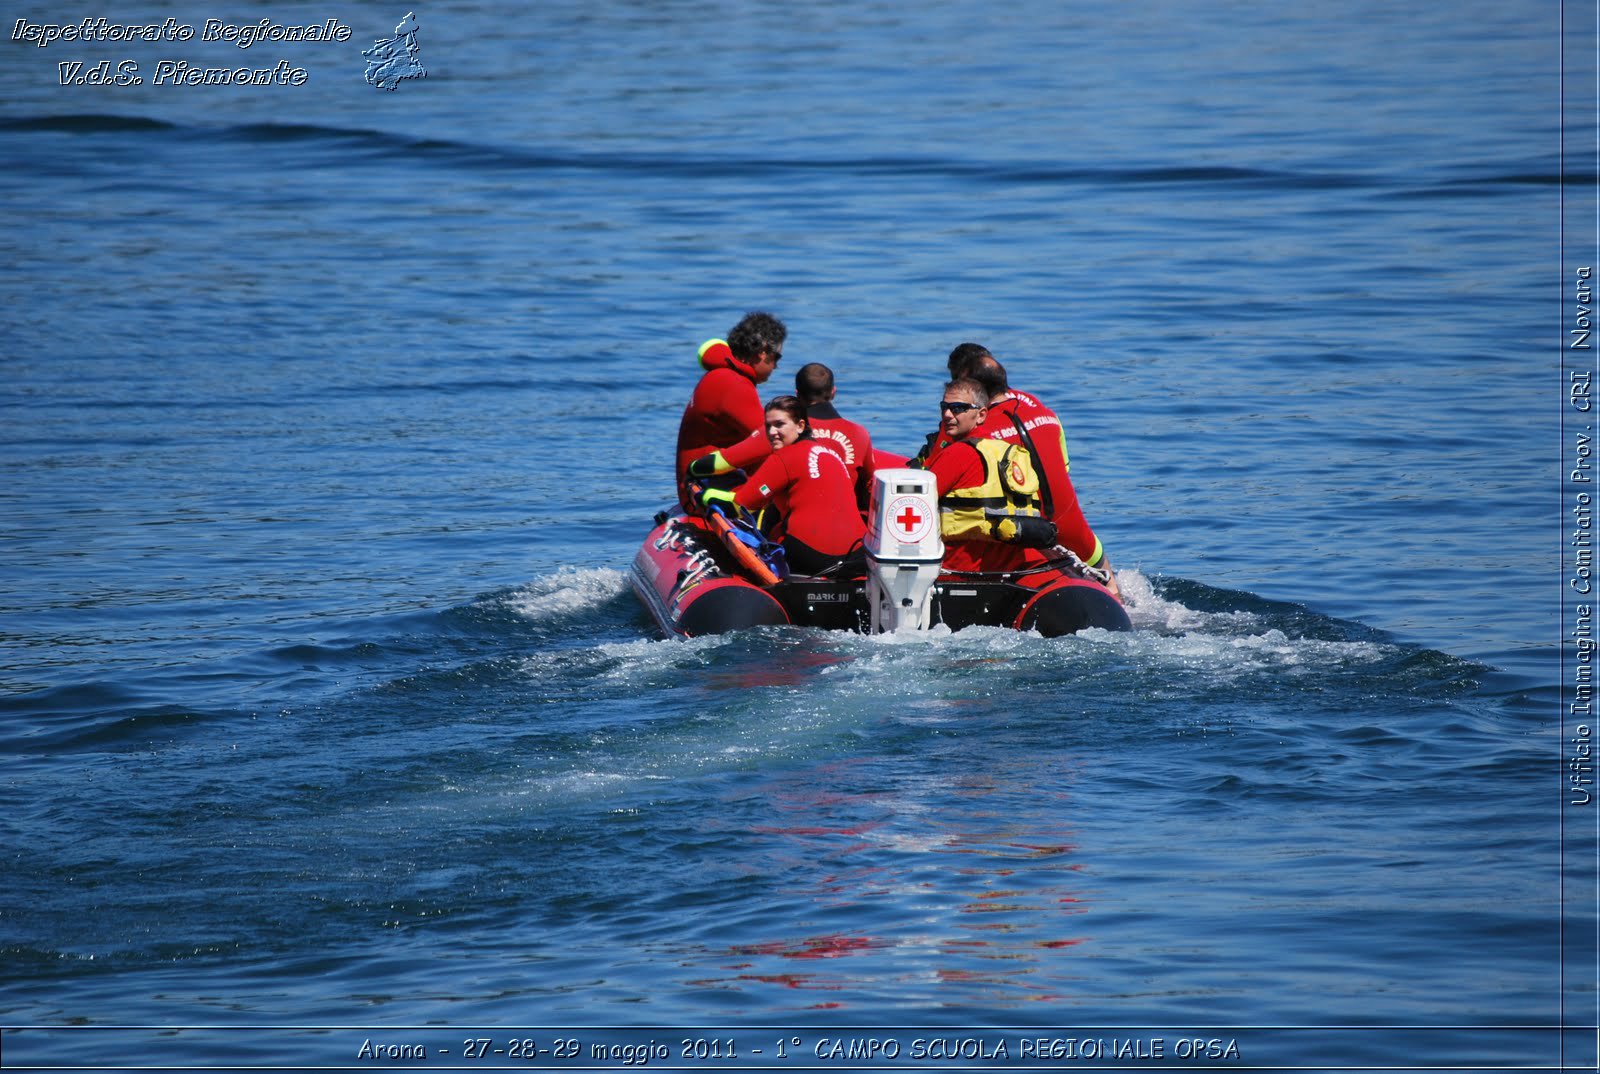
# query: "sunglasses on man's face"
{"type": "Point", "coordinates": [774, 357]}
{"type": "Point", "coordinates": [956, 409]}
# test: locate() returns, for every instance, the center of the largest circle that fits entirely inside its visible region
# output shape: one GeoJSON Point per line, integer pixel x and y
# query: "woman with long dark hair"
{"type": "Point", "coordinates": [808, 486]}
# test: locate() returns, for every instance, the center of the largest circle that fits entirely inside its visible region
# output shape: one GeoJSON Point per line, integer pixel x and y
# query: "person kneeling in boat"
{"type": "Point", "coordinates": [966, 469]}
{"type": "Point", "coordinates": [808, 485]}
{"type": "Point", "coordinates": [720, 431]}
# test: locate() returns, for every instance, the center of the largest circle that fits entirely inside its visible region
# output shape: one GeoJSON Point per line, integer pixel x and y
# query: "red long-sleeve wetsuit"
{"type": "Point", "coordinates": [724, 414]}
{"type": "Point", "coordinates": [808, 484]}
{"type": "Point", "coordinates": [957, 465]}
{"type": "Point", "coordinates": [1050, 448]}
{"type": "Point", "coordinates": [1049, 444]}
{"type": "Point", "coordinates": [853, 441]}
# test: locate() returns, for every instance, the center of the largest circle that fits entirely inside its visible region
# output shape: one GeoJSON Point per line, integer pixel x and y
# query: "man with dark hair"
{"type": "Point", "coordinates": [814, 385]}
{"type": "Point", "coordinates": [961, 359]}
{"type": "Point", "coordinates": [723, 427]}
{"type": "Point", "coordinates": [974, 360]}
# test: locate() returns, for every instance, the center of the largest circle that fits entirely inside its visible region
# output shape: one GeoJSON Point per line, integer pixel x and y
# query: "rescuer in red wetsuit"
{"type": "Point", "coordinates": [806, 481]}
{"type": "Point", "coordinates": [722, 427]}
{"type": "Point", "coordinates": [955, 464]}
{"type": "Point", "coordinates": [1045, 440]}
{"type": "Point", "coordinates": [814, 385]}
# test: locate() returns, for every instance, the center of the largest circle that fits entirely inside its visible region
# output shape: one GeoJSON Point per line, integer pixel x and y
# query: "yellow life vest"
{"type": "Point", "coordinates": [1005, 507]}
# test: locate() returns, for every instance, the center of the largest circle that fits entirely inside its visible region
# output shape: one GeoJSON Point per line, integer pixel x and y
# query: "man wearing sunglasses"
{"type": "Point", "coordinates": [1017, 417]}
{"type": "Point", "coordinates": [955, 464]}
{"type": "Point", "coordinates": [723, 428]}
{"type": "Point", "coordinates": [1011, 414]}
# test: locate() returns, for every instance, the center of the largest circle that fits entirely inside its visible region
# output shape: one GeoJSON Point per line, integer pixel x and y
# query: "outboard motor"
{"type": "Point", "coordinates": [904, 549]}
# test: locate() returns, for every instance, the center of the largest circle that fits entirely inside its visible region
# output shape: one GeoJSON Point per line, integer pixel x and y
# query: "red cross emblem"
{"type": "Point", "coordinates": [911, 516]}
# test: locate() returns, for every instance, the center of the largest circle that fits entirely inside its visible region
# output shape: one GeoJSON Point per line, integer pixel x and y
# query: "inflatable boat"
{"type": "Point", "coordinates": [709, 575]}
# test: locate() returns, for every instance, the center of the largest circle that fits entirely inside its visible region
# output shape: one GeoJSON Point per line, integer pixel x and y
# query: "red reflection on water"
{"type": "Point", "coordinates": [814, 947]}
{"type": "Point", "coordinates": [788, 980]}
{"type": "Point", "coordinates": [982, 865]}
{"type": "Point", "coordinates": [829, 946]}
{"type": "Point", "coordinates": [798, 666]}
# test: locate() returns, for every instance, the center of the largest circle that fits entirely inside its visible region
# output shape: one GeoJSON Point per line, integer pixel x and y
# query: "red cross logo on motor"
{"type": "Point", "coordinates": [911, 519]}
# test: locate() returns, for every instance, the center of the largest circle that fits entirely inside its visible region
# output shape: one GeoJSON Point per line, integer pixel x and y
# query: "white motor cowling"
{"type": "Point", "coordinates": [904, 549]}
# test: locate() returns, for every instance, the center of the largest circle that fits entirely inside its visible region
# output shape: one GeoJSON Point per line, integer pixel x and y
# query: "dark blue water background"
{"type": "Point", "coordinates": [331, 419]}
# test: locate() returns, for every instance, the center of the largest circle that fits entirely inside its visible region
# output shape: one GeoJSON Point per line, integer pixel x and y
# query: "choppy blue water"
{"type": "Point", "coordinates": [332, 417]}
